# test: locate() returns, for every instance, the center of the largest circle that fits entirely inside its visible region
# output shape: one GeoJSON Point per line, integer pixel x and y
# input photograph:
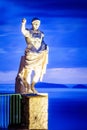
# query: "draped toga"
{"type": "Point", "coordinates": [36, 52]}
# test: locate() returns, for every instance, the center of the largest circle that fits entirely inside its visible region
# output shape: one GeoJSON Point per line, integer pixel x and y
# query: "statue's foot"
{"type": "Point", "coordinates": [29, 91]}
{"type": "Point", "coordinates": [34, 90]}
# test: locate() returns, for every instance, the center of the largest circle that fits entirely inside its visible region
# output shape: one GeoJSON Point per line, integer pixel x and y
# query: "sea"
{"type": "Point", "coordinates": [67, 104]}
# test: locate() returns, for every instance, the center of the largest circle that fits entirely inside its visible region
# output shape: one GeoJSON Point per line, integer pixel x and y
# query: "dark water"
{"type": "Point", "coordinates": [67, 106]}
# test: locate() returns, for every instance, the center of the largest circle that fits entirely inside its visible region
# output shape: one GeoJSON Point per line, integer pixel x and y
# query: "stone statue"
{"type": "Point", "coordinates": [34, 60]}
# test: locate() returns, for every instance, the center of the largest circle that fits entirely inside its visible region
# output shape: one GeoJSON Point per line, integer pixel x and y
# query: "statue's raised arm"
{"type": "Point", "coordinates": [24, 20]}
{"type": "Point", "coordinates": [23, 28]}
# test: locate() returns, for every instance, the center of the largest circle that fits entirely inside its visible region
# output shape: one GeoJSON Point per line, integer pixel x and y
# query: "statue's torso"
{"type": "Point", "coordinates": [34, 39]}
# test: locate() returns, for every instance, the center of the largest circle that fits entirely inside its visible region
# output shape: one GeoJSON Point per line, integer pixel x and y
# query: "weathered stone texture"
{"type": "Point", "coordinates": [35, 111]}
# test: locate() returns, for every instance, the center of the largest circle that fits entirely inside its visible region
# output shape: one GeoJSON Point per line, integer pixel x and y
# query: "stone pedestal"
{"type": "Point", "coordinates": [35, 111]}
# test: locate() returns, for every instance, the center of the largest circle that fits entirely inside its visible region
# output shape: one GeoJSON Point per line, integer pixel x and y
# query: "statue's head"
{"type": "Point", "coordinates": [35, 23]}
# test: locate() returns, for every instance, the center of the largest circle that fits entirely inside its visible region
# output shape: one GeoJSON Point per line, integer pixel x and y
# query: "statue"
{"type": "Point", "coordinates": [34, 60]}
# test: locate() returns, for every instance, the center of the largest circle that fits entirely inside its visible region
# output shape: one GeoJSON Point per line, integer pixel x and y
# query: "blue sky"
{"type": "Point", "coordinates": [65, 26]}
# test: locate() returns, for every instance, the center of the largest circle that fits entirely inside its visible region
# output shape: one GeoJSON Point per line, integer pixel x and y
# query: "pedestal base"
{"type": "Point", "coordinates": [35, 111]}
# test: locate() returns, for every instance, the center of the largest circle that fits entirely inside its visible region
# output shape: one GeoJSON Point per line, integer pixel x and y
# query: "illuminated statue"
{"type": "Point", "coordinates": [35, 58]}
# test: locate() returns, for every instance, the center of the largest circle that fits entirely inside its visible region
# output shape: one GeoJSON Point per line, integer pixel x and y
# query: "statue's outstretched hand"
{"type": "Point", "coordinates": [23, 20]}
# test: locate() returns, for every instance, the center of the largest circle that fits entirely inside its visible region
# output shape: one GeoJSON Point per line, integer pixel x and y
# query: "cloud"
{"type": "Point", "coordinates": [3, 35]}
{"type": "Point", "coordinates": [66, 76]}
{"type": "Point", "coordinates": [16, 51]}
{"type": "Point", "coordinates": [54, 75]}
{"type": "Point", "coordinates": [8, 77]}
{"type": "Point", "coordinates": [2, 51]}
{"type": "Point", "coordinates": [67, 57]}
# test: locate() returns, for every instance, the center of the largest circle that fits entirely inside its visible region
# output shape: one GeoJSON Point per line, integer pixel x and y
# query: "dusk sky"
{"type": "Point", "coordinates": [64, 24]}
